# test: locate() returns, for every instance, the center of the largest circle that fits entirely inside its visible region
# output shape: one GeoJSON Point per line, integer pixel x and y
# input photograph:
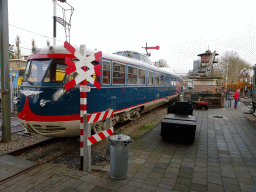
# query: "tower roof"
{"type": "Point", "coordinates": [208, 52]}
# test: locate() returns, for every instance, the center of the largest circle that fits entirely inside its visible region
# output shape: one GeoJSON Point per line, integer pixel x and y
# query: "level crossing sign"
{"type": "Point", "coordinates": [85, 70]}
{"type": "Point", "coordinates": [83, 67]}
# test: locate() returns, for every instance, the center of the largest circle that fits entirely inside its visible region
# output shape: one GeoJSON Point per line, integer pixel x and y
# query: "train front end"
{"type": "Point", "coordinates": [44, 106]}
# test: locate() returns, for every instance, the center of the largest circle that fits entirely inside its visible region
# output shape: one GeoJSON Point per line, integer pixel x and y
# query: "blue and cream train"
{"type": "Point", "coordinates": [130, 85]}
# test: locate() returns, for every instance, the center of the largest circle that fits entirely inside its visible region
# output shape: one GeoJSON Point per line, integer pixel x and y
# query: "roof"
{"type": "Point", "coordinates": [208, 52]}
{"type": "Point", "coordinates": [61, 50]}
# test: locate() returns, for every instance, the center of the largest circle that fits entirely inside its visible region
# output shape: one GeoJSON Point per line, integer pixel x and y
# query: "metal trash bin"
{"type": "Point", "coordinates": [119, 154]}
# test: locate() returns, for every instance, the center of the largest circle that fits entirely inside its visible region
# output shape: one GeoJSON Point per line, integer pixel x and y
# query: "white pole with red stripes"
{"type": "Point", "coordinates": [85, 132]}
{"type": "Point", "coordinates": [85, 70]}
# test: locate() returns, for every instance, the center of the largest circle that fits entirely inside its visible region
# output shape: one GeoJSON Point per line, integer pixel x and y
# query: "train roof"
{"type": "Point", "coordinates": [110, 56]}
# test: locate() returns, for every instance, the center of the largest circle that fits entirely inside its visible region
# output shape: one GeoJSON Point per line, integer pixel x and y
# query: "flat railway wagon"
{"type": "Point", "coordinates": [130, 85]}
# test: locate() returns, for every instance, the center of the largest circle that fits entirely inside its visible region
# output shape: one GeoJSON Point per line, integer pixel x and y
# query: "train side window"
{"type": "Point", "coordinates": [142, 78]}
{"type": "Point", "coordinates": [156, 78]}
{"type": "Point", "coordinates": [150, 78]}
{"type": "Point", "coordinates": [106, 72]}
{"type": "Point", "coordinates": [119, 53]}
{"type": "Point", "coordinates": [174, 81]}
{"type": "Point", "coordinates": [127, 54]}
{"type": "Point", "coordinates": [132, 75]}
{"type": "Point", "coordinates": [118, 73]}
{"type": "Point", "coordinates": [136, 55]}
{"type": "Point", "coordinates": [162, 79]}
{"type": "Point", "coordinates": [168, 81]}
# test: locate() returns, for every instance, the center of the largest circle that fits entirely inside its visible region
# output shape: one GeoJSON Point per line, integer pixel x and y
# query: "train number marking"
{"type": "Point", "coordinates": [84, 88]}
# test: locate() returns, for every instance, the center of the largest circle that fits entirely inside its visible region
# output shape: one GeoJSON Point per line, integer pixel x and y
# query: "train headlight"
{"type": "Point", "coordinates": [44, 103]}
{"type": "Point", "coordinates": [16, 100]}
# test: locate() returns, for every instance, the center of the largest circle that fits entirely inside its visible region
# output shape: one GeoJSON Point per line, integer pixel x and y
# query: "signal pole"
{"type": "Point", "coordinates": [54, 22]}
{"type": "Point", "coordinates": [5, 71]}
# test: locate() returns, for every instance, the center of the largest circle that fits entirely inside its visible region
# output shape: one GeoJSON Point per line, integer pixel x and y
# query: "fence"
{"type": "Point", "coordinates": [14, 92]}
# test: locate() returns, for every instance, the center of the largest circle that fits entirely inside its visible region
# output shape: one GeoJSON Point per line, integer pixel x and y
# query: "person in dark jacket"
{"type": "Point", "coordinates": [236, 97]}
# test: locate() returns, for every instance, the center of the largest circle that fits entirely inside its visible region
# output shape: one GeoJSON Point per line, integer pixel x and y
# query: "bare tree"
{"type": "Point", "coordinates": [12, 56]}
{"type": "Point", "coordinates": [161, 63]}
{"type": "Point", "coordinates": [235, 65]}
{"type": "Point", "coordinates": [17, 53]}
{"type": "Point", "coordinates": [48, 43]}
{"type": "Point", "coordinates": [33, 42]}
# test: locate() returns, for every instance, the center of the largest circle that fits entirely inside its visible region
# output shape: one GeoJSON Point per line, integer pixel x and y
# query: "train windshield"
{"type": "Point", "coordinates": [56, 72]}
{"type": "Point", "coordinates": [48, 71]}
{"type": "Point", "coordinates": [36, 70]}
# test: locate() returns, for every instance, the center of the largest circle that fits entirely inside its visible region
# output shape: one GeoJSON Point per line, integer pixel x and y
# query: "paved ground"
{"type": "Point", "coordinates": [223, 158]}
{"type": "Point", "coordinates": [15, 125]}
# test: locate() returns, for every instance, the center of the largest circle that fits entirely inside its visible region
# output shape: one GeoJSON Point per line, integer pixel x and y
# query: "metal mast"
{"type": "Point", "coordinates": [5, 71]}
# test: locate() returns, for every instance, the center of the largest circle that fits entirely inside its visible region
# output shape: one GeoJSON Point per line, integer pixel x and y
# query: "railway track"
{"type": "Point", "coordinates": [43, 152]}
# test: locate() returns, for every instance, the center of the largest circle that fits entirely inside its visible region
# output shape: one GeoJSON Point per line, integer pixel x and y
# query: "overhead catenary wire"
{"type": "Point", "coordinates": [34, 33]}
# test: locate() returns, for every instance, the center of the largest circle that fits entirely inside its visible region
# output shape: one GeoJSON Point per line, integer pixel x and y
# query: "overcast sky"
{"type": "Point", "coordinates": [182, 29]}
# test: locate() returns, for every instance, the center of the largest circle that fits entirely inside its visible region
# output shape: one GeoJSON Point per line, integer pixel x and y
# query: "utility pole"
{"type": "Point", "coordinates": [226, 82]}
{"type": "Point", "coordinates": [5, 71]}
{"type": "Point", "coordinates": [54, 22]}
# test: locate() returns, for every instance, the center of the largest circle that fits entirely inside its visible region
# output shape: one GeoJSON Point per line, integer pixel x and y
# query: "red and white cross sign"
{"type": "Point", "coordinates": [83, 67]}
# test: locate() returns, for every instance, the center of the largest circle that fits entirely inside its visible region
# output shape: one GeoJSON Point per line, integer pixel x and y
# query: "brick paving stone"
{"type": "Point", "coordinates": [160, 189]}
{"type": "Point", "coordinates": [145, 170]}
{"type": "Point", "coordinates": [170, 175]}
{"type": "Point", "coordinates": [173, 170]}
{"type": "Point", "coordinates": [152, 181]}
{"type": "Point", "coordinates": [200, 164]}
{"type": "Point", "coordinates": [86, 187]}
{"type": "Point", "coordinates": [246, 187]}
{"type": "Point", "coordinates": [169, 187]}
{"type": "Point", "coordinates": [183, 181]}
{"type": "Point", "coordinates": [159, 170]}
{"type": "Point", "coordinates": [163, 165]}
{"type": "Point", "coordinates": [69, 189]}
{"type": "Point", "coordinates": [215, 187]}
{"type": "Point", "coordinates": [199, 180]}
{"type": "Point", "coordinates": [148, 187]}
{"type": "Point", "coordinates": [230, 187]}
{"type": "Point", "coordinates": [198, 174]}
{"type": "Point", "coordinates": [163, 160]}
{"type": "Point", "coordinates": [243, 180]}
{"type": "Point", "coordinates": [180, 187]}
{"type": "Point", "coordinates": [141, 175]}
{"type": "Point", "coordinates": [230, 180]}
{"type": "Point", "coordinates": [135, 183]}
{"type": "Point", "coordinates": [214, 175]}
{"type": "Point", "coordinates": [200, 169]}
{"type": "Point", "coordinates": [215, 180]}
{"type": "Point", "coordinates": [228, 174]}
{"type": "Point", "coordinates": [136, 179]}
{"type": "Point", "coordinates": [149, 160]}
{"type": "Point", "coordinates": [198, 187]}
{"type": "Point", "coordinates": [115, 185]}
{"type": "Point", "coordinates": [213, 169]}
{"type": "Point", "coordinates": [148, 165]}
{"type": "Point", "coordinates": [102, 189]}
{"type": "Point", "coordinates": [156, 175]}
{"type": "Point", "coordinates": [127, 188]}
